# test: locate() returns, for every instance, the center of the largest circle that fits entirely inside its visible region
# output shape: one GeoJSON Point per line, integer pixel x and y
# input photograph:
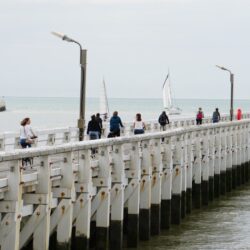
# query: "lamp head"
{"type": "Point", "coordinates": [62, 36]}
{"type": "Point", "coordinates": [220, 67]}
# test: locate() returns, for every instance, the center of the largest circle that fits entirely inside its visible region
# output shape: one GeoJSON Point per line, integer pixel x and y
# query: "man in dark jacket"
{"type": "Point", "coordinates": [216, 116]}
{"type": "Point", "coordinates": [115, 124]}
{"type": "Point", "coordinates": [93, 128]}
{"type": "Point", "coordinates": [163, 120]}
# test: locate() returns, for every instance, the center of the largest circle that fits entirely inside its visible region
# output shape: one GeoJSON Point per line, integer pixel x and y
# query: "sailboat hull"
{"type": "Point", "coordinates": [173, 111]}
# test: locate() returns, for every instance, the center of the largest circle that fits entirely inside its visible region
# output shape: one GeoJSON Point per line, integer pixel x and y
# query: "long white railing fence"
{"type": "Point", "coordinates": [57, 136]}
{"type": "Point", "coordinates": [69, 185]}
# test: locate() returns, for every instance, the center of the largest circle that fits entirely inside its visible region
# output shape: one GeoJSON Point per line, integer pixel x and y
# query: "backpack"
{"type": "Point", "coordinates": [199, 116]}
{"type": "Point", "coordinates": [162, 120]}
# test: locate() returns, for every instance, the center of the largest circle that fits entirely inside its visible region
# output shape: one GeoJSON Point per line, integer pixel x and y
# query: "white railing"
{"type": "Point", "coordinates": [57, 136]}
{"type": "Point", "coordinates": [55, 189]}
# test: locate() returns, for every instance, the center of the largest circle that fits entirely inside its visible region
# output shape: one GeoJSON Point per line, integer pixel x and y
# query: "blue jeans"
{"type": "Point", "coordinates": [138, 131]}
{"type": "Point", "coordinates": [24, 144]}
{"type": "Point", "coordinates": [93, 135]}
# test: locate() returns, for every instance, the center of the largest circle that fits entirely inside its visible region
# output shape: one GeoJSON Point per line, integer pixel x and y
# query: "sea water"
{"type": "Point", "coordinates": [51, 112]}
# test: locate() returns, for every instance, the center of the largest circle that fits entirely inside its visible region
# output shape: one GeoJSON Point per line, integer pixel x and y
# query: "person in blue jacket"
{"type": "Point", "coordinates": [115, 125]}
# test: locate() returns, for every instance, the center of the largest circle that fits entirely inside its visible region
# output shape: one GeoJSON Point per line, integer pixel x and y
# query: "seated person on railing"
{"type": "Point", "coordinates": [27, 136]}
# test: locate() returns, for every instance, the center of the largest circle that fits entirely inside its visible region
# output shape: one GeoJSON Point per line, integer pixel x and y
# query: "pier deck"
{"type": "Point", "coordinates": [110, 193]}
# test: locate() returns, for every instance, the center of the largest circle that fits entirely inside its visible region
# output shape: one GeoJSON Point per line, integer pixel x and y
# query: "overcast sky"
{"type": "Point", "coordinates": [131, 43]}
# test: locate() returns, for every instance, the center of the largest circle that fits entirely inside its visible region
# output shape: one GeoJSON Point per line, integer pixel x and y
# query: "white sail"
{"type": "Point", "coordinates": [167, 99]}
{"type": "Point", "coordinates": [104, 107]}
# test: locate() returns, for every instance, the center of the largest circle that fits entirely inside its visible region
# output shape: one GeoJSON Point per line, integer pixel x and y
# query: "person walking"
{"type": "Point", "coordinates": [99, 120]}
{"type": "Point", "coordinates": [199, 116]}
{"type": "Point", "coordinates": [163, 120]}
{"type": "Point", "coordinates": [216, 116]}
{"type": "Point", "coordinates": [93, 129]}
{"type": "Point", "coordinates": [115, 125]}
{"type": "Point", "coordinates": [239, 114]}
{"type": "Point", "coordinates": [139, 125]}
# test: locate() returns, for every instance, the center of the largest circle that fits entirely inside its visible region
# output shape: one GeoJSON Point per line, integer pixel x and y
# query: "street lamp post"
{"type": "Point", "coordinates": [83, 64]}
{"type": "Point", "coordinates": [232, 90]}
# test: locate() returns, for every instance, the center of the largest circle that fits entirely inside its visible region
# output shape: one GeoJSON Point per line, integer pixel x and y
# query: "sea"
{"type": "Point", "coordinates": [53, 112]}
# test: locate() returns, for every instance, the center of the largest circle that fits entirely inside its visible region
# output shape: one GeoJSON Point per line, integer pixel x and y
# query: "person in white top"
{"type": "Point", "coordinates": [139, 125]}
{"type": "Point", "coordinates": [27, 135]}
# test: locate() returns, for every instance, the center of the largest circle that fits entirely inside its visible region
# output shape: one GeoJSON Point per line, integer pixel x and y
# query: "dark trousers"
{"type": "Point", "coordinates": [24, 144]}
{"type": "Point", "coordinates": [198, 121]}
{"type": "Point", "coordinates": [115, 133]}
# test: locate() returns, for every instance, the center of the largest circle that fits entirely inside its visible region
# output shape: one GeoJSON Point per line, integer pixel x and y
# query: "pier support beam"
{"type": "Point", "coordinates": [132, 195]}
{"type": "Point", "coordinates": [229, 159]}
{"type": "Point", "coordinates": [217, 163]}
{"type": "Point", "coordinates": [116, 224]}
{"type": "Point", "coordinates": [145, 201]}
{"type": "Point", "coordinates": [102, 219]}
{"type": "Point", "coordinates": [189, 165]}
{"type": "Point", "coordinates": [177, 180]}
{"type": "Point", "coordinates": [205, 168]}
{"type": "Point", "coordinates": [157, 164]}
{"type": "Point", "coordinates": [133, 214]}
{"type": "Point", "coordinates": [197, 172]}
{"type": "Point", "coordinates": [145, 195]}
{"type": "Point", "coordinates": [166, 187]}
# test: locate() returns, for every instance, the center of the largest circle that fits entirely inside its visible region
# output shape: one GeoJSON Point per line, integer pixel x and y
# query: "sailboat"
{"type": "Point", "coordinates": [104, 106]}
{"type": "Point", "coordinates": [167, 98]}
{"type": "Point", "coordinates": [2, 105]}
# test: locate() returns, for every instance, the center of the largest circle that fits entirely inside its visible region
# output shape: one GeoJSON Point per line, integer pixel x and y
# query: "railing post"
{"type": "Point", "coordinates": [205, 167]}
{"type": "Point", "coordinates": [103, 182]}
{"type": "Point", "coordinates": [217, 162]}
{"type": "Point", "coordinates": [248, 150]}
{"type": "Point", "coordinates": [84, 188]}
{"type": "Point", "coordinates": [242, 149]}
{"type": "Point", "coordinates": [176, 179]}
{"type": "Point", "coordinates": [132, 195]}
{"type": "Point", "coordinates": [239, 170]}
{"type": "Point", "coordinates": [234, 157]}
{"type": "Point", "coordinates": [197, 171]}
{"type": "Point", "coordinates": [39, 223]}
{"type": "Point", "coordinates": [189, 147]}
{"type": "Point", "coordinates": [229, 160]}
{"type": "Point", "coordinates": [65, 207]}
{"type": "Point", "coordinates": [117, 197]}
{"type": "Point", "coordinates": [10, 224]}
{"type": "Point", "coordinates": [145, 199]}
{"type": "Point", "coordinates": [223, 163]}
{"type": "Point", "coordinates": [211, 139]}
{"type": "Point", "coordinates": [166, 184]}
{"type": "Point", "coordinates": [156, 152]}
{"type": "Point", "coordinates": [183, 176]}
{"type": "Point", "coordinates": [245, 134]}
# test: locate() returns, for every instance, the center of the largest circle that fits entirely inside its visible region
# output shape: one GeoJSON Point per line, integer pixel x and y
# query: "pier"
{"type": "Point", "coordinates": [111, 193]}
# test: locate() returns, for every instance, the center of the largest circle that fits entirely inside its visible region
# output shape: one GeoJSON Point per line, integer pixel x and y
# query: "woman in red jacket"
{"type": "Point", "coordinates": [239, 114]}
